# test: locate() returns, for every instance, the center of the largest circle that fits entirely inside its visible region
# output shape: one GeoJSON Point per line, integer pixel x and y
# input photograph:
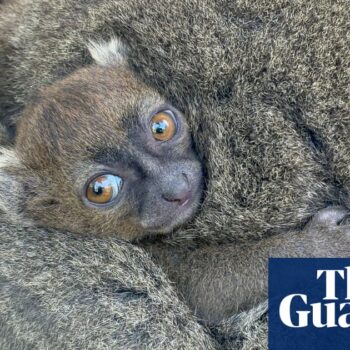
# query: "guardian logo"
{"type": "Point", "coordinates": [309, 304]}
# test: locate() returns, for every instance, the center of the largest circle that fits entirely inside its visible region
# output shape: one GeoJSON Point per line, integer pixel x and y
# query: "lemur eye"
{"type": "Point", "coordinates": [163, 126]}
{"type": "Point", "coordinates": [103, 189]}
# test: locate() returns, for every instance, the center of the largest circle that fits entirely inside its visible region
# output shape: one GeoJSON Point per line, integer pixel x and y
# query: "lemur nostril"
{"type": "Point", "coordinates": [186, 178]}
{"type": "Point", "coordinates": [178, 191]}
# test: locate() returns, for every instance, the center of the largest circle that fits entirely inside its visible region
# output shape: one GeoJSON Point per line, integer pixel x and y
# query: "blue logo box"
{"type": "Point", "coordinates": [309, 304]}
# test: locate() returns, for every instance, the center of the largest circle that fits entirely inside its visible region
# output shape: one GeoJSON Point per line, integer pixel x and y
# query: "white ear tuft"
{"type": "Point", "coordinates": [106, 53]}
{"type": "Point", "coordinates": [8, 158]}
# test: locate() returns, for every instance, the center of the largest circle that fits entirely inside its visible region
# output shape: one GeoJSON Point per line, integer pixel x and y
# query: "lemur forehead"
{"type": "Point", "coordinates": [106, 53]}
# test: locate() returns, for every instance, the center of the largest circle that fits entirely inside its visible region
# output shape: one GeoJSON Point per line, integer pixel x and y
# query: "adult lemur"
{"type": "Point", "coordinates": [260, 81]}
{"type": "Point", "coordinates": [99, 152]}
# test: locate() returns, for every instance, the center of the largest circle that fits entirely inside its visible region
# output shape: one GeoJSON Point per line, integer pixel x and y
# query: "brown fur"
{"type": "Point", "coordinates": [55, 138]}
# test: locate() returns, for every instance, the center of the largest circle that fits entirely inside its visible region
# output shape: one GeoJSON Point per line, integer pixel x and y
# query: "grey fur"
{"type": "Point", "coordinates": [87, 293]}
{"type": "Point", "coordinates": [269, 79]}
{"type": "Point", "coordinates": [246, 330]}
{"type": "Point", "coordinates": [220, 281]}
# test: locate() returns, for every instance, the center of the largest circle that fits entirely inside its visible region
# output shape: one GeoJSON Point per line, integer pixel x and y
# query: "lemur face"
{"type": "Point", "coordinates": [106, 154]}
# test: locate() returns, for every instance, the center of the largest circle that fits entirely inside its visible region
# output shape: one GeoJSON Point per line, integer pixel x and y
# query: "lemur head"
{"type": "Point", "coordinates": [101, 152]}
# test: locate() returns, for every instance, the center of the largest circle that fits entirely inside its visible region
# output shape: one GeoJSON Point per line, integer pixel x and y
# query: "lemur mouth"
{"type": "Point", "coordinates": [185, 202]}
{"type": "Point", "coordinates": [176, 215]}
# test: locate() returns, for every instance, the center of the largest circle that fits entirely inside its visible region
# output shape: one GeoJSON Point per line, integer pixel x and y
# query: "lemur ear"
{"type": "Point", "coordinates": [107, 53]}
{"type": "Point", "coordinates": [11, 188]}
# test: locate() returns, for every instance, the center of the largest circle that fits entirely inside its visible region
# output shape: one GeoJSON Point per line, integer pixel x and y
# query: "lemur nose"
{"type": "Point", "coordinates": [178, 190]}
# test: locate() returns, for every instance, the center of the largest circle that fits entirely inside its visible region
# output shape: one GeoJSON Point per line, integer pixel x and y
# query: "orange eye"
{"type": "Point", "coordinates": [163, 126]}
{"type": "Point", "coordinates": [103, 189]}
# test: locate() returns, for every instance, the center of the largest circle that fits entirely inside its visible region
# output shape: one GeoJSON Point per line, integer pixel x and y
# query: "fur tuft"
{"type": "Point", "coordinates": [8, 158]}
{"type": "Point", "coordinates": [106, 53]}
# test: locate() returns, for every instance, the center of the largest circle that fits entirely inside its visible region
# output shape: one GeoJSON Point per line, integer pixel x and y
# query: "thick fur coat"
{"type": "Point", "coordinates": [265, 85]}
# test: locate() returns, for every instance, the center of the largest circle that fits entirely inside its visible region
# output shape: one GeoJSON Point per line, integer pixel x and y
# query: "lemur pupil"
{"type": "Point", "coordinates": [98, 189]}
{"type": "Point", "coordinates": [160, 127]}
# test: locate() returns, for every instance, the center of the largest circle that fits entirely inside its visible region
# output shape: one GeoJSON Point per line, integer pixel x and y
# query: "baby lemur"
{"type": "Point", "coordinates": [100, 152]}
